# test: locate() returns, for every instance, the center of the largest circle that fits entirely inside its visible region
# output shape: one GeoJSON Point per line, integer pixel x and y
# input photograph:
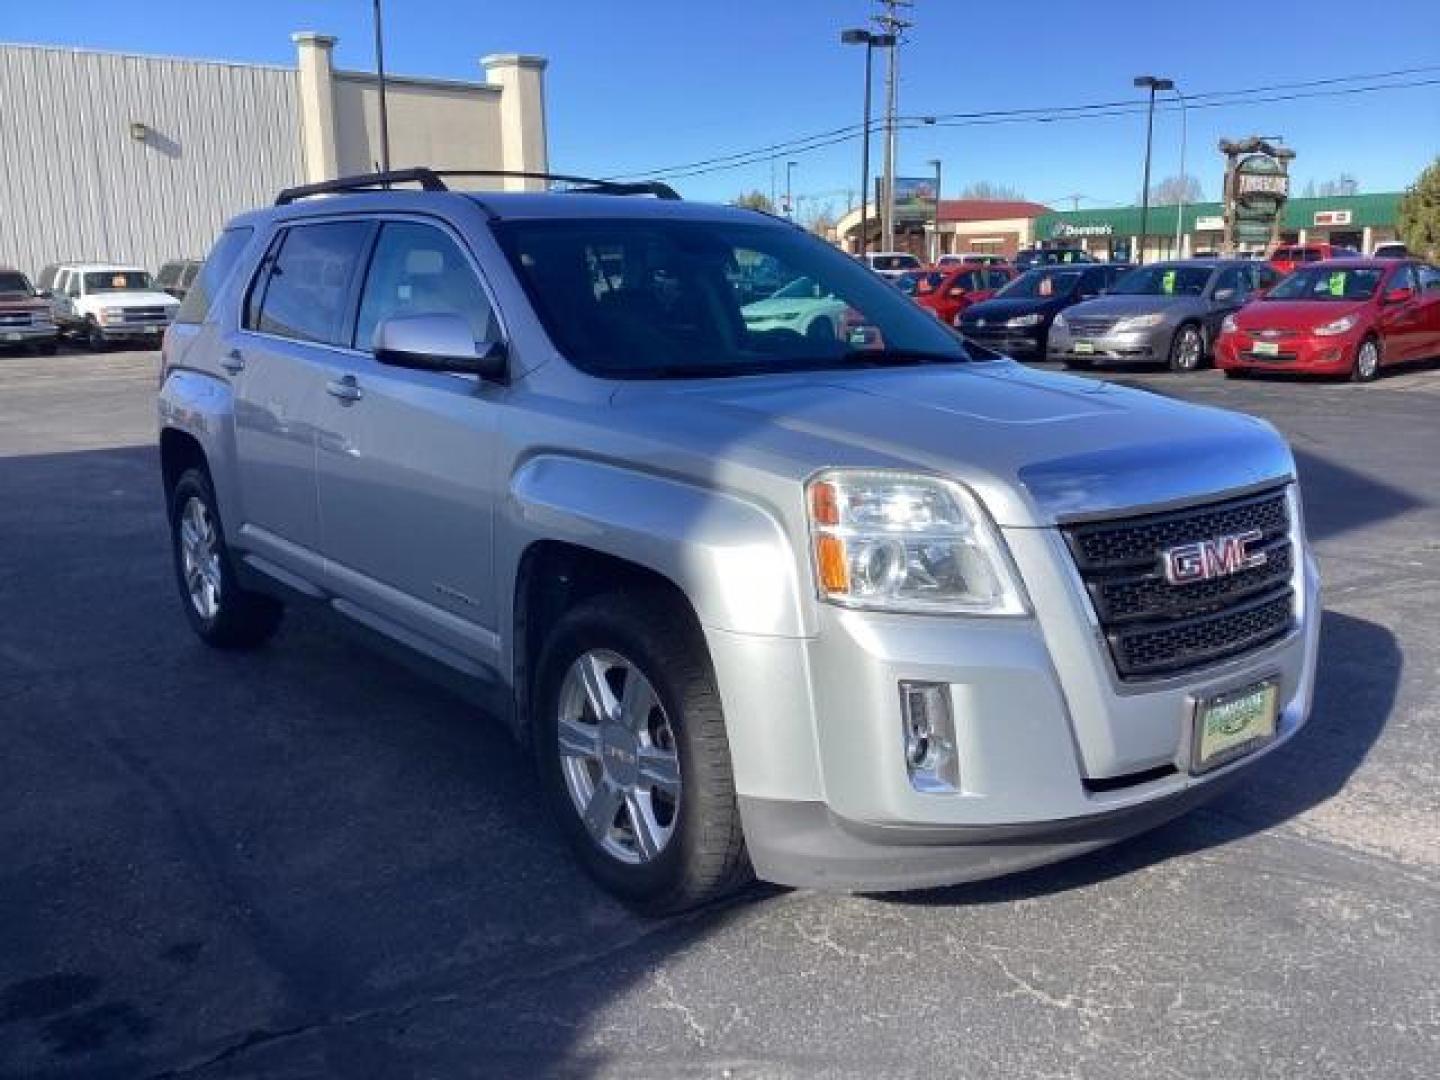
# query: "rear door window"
{"type": "Point", "coordinates": [303, 290]}
{"type": "Point", "coordinates": [217, 268]}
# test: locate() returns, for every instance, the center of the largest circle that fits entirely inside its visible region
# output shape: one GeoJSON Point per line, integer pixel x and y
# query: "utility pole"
{"type": "Point", "coordinates": [1153, 84]}
{"type": "Point", "coordinates": [893, 24]}
{"type": "Point", "coordinates": [789, 202]}
{"type": "Point", "coordinates": [380, 83]}
{"type": "Point", "coordinates": [871, 42]}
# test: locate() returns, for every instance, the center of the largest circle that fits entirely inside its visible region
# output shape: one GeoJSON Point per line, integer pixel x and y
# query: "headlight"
{"type": "Point", "coordinates": [1227, 325]}
{"type": "Point", "coordinates": [1342, 325]}
{"type": "Point", "coordinates": [1024, 320]}
{"type": "Point", "coordinates": [893, 541]}
{"type": "Point", "coordinates": [1138, 322]}
{"type": "Point", "coordinates": [1060, 323]}
{"type": "Point", "coordinates": [111, 314]}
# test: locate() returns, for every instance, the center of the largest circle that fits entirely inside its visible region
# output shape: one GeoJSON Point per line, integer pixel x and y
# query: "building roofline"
{"type": "Point", "coordinates": [127, 54]}
{"type": "Point", "coordinates": [416, 80]}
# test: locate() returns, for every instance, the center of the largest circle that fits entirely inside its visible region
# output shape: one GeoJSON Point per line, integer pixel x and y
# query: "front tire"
{"type": "Point", "coordinates": [631, 746]}
{"type": "Point", "coordinates": [1187, 349]}
{"type": "Point", "coordinates": [94, 337]}
{"type": "Point", "coordinates": [1367, 361]}
{"type": "Point", "coordinates": [221, 612]}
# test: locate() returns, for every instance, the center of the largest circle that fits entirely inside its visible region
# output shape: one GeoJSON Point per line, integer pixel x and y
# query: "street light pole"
{"type": "Point", "coordinates": [1184, 125]}
{"type": "Point", "coordinates": [935, 248]}
{"type": "Point", "coordinates": [1151, 83]}
{"type": "Point", "coordinates": [380, 84]}
{"type": "Point", "coordinates": [871, 43]}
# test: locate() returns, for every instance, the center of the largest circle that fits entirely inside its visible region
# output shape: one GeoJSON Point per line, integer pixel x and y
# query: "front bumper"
{"type": "Point", "coordinates": [1299, 353]}
{"type": "Point", "coordinates": [34, 334]}
{"type": "Point", "coordinates": [1057, 756]}
{"type": "Point", "coordinates": [1020, 344]}
{"type": "Point", "coordinates": [123, 332]}
{"type": "Point", "coordinates": [1139, 347]}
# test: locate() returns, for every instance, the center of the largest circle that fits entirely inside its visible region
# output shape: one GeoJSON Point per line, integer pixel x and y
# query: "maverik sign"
{"type": "Point", "coordinates": [1257, 185]}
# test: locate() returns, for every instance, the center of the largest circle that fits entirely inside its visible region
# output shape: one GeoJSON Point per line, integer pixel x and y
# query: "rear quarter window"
{"type": "Point", "coordinates": [217, 268]}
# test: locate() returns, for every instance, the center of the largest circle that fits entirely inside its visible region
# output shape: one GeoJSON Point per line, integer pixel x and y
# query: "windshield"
{"type": "Point", "coordinates": [1163, 280]}
{"type": "Point", "coordinates": [1041, 284]}
{"type": "Point", "coordinates": [1317, 283]}
{"type": "Point", "coordinates": [654, 298]}
{"type": "Point", "coordinates": [12, 282]}
{"type": "Point", "coordinates": [894, 262]}
{"type": "Point", "coordinates": [117, 281]}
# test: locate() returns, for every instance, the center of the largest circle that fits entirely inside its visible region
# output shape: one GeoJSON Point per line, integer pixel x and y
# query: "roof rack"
{"type": "Point", "coordinates": [434, 180]}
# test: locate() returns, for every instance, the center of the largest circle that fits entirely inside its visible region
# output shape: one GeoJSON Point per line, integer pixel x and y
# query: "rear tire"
{"type": "Point", "coordinates": [1368, 358]}
{"type": "Point", "coordinates": [222, 613]}
{"type": "Point", "coordinates": [94, 338]}
{"type": "Point", "coordinates": [662, 846]}
{"type": "Point", "coordinates": [1187, 349]}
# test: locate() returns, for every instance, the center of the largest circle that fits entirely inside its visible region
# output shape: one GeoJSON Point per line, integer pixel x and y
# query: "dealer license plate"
{"type": "Point", "coordinates": [1232, 724]}
{"type": "Point", "coordinates": [1084, 347]}
{"type": "Point", "coordinates": [1266, 348]}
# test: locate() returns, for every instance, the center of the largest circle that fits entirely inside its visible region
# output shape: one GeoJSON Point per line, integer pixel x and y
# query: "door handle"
{"type": "Point", "coordinates": [233, 362]}
{"type": "Point", "coordinates": [345, 388]}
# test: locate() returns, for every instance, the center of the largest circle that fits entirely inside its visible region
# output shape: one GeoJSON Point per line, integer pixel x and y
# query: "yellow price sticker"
{"type": "Point", "coordinates": [1167, 283]}
{"type": "Point", "coordinates": [1337, 283]}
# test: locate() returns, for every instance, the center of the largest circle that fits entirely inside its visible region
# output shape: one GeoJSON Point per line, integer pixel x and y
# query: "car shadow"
{"type": "Point", "coordinates": [1358, 677]}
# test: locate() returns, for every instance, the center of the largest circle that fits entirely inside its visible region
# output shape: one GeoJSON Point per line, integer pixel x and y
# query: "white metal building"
{"type": "Point", "coordinates": [139, 159]}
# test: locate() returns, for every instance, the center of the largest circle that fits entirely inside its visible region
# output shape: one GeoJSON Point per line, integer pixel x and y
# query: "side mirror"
{"type": "Point", "coordinates": [957, 293]}
{"type": "Point", "coordinates": [1400, 295]}
{"type": "Point", "coordinates": [1222, 295]}
{"type": "Point", "coordinates": [42, 294]}
{"type": "Point", "coordinates": [438, 343]}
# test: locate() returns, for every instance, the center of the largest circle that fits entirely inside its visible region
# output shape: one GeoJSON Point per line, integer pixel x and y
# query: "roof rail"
{"type": "Point", "coordinates": [433, 180]}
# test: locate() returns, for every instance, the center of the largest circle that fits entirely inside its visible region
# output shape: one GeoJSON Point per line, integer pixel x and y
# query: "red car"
{"type": "Point", "coordinates": [957, 289]}
{"type": "Point", "coordinates": [1288, 256]}
{"type": "Point", "coordinates": [1346, 316]}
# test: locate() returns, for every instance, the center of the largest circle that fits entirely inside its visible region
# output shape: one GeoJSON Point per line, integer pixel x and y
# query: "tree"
{"type": "Point", "coordinates": [1419, 220]}
{"type": "Point", "coordinates": [754, 200]}
{"type": "Point", "coordinates": [1177, 189]}
{"type": "Point", "coordinates": [990, 192]}
{"type": "Point", "coordinates": [822, 222]}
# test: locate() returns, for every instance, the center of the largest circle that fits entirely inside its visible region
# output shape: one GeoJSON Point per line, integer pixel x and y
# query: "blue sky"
{"type": "Point", "coordinates": [636, 84]}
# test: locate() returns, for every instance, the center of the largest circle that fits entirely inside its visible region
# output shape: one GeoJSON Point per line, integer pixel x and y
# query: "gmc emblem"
{"type": "Point", "coordinates": [1209, 559]}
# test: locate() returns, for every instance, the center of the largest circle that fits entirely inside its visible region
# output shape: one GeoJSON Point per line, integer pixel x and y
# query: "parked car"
{"type": "Point", "coordinates": [892, 264]}
{"type": "Point", "coordinates": [176, 276]}
{"type": "Point", "coordinates": [914, 282]}
{"type": "Point", "coordinates": [25, 321]}
{"type": "Point", "coordinates": [960, 287]}
{"type": "Point", "coordinates": [970, 258]}
{"type": "Point", "coordinates": [1288, 256]}
{"type": "Point", "coordinates": [1016, 321]}
{"type": "Point", "coordinates": [869, 613]}
{"type": "Point", "coordinates": [102, 303]}
{"type": "Point", "coordinates": [1025, 260]}
{"type": "Point", "coordinates": [1352, 317]}
{"type": "Point", "coordinates": [1390, 249]}
{"type": "Point", "coordinates": [804, 306]}
{"type": "Point", "coordinates": [1168, 311]}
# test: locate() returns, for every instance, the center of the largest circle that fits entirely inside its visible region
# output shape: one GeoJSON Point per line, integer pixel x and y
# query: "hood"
{"type": "Point", "coordinates": [1119, 307]}
{"type": "Point", "coordinates": [1003, 307]}
{"type": "Point", "coordinates": [1295, 314]}
{"type": "Point", "coordinates": [1036, 447]}
{"type": "Point", "coordinates": [138, 298]}
{"type": "Point", "coordinates": [20, 301]}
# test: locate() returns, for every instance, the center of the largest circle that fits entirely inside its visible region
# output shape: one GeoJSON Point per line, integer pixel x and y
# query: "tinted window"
{"type": "Point", "coordinates": [12, 282]}
{"type": "Point", "coordinates": [1429, 278]}
{"type": "Point", "coordinates": [894, 262]}
{"type": "Point", "coordinates": [1042, 284]}
{"type": "Point", "coordinates": [1235, 278]}
{"type": "Point", "coordinates": [418, 270]}
{"type": "Point", "coordinates": [217, 268]}
{"type": "Point", "coordinates": [303, 291]}
{"type": "Point", "coordinates": [1164, 280]}
{"type": "Point", "coordinates": [662, 303]}
{"type": "Point", "coordinates": [996, 279]}
{"type": "Point", "coordinates": [1317, 283]}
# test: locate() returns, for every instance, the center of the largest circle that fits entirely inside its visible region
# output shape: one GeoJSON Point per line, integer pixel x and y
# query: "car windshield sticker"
{"type": "Point", "coordinates": [1167, 283]}
{"type": "Point", "coordinates": [1337, 283]}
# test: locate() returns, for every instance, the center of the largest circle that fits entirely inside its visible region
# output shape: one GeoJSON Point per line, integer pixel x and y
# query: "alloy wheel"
{"type": "Point", "coordinates": [200, 557]}
{"type": "Point", "coordinates": [618, 757]}
{"type": "Point", "coordinates": [1367, 362]}
{"type": "Point", "coordinates": [1188, 351]}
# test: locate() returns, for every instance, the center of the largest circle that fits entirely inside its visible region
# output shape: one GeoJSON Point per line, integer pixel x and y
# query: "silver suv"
{"type": "Point", "coordinates": [837, 604]}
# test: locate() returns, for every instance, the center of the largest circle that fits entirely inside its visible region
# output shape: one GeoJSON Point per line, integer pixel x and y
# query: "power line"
{"type": "Point", "coordinates": [1121, 107]}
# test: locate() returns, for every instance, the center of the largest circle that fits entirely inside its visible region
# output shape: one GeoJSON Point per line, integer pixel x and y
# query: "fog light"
{"type": "Point", "coordinates": [929, 736]}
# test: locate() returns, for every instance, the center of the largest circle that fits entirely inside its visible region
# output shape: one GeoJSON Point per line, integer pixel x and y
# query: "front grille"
{"type": "Point", "coordinates": [1091, 327]}
{"type": "Point", "coordinates": [1154, 628]}
{"type": "Point", "coordinates": [145, 315]}
{"type": "Point", "coordinates": [15, 318]}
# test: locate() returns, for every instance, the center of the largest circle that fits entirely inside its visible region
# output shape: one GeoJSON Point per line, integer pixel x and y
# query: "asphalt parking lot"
{"type": "Point", "coordinates": [305, 861]}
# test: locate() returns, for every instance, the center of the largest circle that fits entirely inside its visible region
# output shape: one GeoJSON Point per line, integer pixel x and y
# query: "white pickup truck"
{"type": "Point", "coordinates": [100, 303]}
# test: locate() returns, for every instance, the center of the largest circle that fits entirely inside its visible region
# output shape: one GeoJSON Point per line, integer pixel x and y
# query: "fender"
{"type": "Point", "coordinates": [203, 406]}
{"type": "Point", "coordinates": [729, 555]}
